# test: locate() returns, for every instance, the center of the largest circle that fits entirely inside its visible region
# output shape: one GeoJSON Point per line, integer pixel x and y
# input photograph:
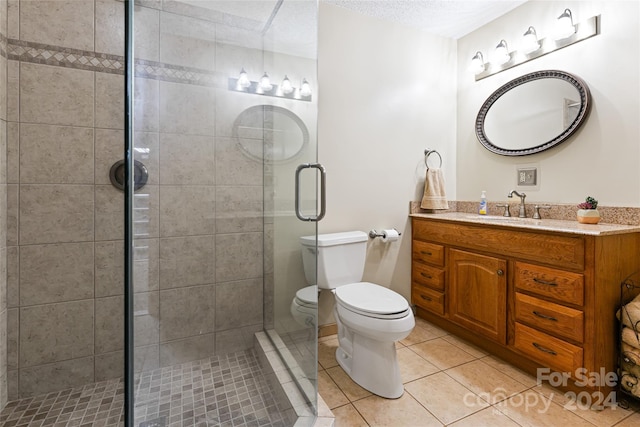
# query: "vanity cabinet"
{"type": "Point", "coordinates": [538, 298]}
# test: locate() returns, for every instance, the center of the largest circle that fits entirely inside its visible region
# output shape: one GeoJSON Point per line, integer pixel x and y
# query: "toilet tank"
{"type": "Point", "coordinates": [341, 258]}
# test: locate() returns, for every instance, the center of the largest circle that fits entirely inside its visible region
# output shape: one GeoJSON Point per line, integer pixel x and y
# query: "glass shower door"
{"type": "Point", "coordinates": [215, 259]}
{"type": "Point", "coordinates": [292, 198]}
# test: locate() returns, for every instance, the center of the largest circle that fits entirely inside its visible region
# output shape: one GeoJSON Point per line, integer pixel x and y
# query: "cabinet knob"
{"type": "Point", "coordinates": [500, 272]}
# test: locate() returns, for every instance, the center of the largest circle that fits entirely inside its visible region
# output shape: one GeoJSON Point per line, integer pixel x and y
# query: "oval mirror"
{"type": "Point", "coordinates": [268, 132]}
{"type": "Point", "coordinates": [533, 113]}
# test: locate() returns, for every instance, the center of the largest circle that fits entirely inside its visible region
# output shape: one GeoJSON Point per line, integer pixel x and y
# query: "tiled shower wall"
{"type": "Point", "coordinates": [3, 202]}
{"type": "Point", "coordinates": [199, 257]}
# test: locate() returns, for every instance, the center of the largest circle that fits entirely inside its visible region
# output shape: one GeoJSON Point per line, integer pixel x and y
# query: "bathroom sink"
{"type": "Point", "coordinates": [503, 219]}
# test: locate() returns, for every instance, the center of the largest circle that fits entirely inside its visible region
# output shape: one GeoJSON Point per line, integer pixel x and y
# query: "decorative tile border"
{"type": "Point", "coordinates": [178, 74]}
{"type": "Point", "coordinates": [3, 45]}
{"type": "Point", "coordinates": [39, 53]}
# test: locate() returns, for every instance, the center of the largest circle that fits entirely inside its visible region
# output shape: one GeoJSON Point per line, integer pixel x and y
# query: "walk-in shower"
{"type": "Point", "coordinates": [201, 332]}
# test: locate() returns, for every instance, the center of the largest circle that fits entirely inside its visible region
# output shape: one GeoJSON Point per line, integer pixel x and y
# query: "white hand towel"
{"type": "Point", "coordinates": [434, 197]}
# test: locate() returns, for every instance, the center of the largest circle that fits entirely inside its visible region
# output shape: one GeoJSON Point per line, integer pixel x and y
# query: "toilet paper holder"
{"type": "Point", "coordinates": [373, 234]}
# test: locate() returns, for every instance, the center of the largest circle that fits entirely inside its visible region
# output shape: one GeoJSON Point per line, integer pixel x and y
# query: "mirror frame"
{"type": "Point", "coordinates": [274, 109]}
{"type": "Point", "coordinates": [585, 108]}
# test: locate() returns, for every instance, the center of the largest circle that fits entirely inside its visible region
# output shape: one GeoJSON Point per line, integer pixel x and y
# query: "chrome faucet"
{"type": "Point", "coordinates": [521, 213]}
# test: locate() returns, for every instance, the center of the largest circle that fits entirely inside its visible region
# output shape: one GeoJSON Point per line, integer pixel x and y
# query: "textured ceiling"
{"type": "Point", "coordinates": [291, 25]}
{"type": "Point", "coordinates": [257, 10]}
{"type": "Point", "coordinates": [446, 18]}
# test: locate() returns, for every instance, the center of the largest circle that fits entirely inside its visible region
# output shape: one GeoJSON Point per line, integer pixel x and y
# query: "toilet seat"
{"type": "Point", "coordinates": [371, 300]}
{"type": "Point", "coordinates": [307, 296]}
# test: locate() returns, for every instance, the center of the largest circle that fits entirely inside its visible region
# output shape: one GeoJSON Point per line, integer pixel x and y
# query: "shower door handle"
{"type": "Point", "coordinates": [323, 194]}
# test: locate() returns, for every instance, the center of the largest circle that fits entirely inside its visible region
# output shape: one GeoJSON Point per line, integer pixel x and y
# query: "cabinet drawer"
{"type": "Point", "coordinates": [555, 249]}
{"type": "Point", "coordinates": [428, 252]}
{"type": "Point", "coordinates": [428, 299]}
{"type": "Point", "coordinates": [428, 276]}
{"type": "Point", "coordinates": [547, 316]}
{"type": "Point", "coordinates": [552, 352]}
{"type": "Point", "coordinates": [561, 285]}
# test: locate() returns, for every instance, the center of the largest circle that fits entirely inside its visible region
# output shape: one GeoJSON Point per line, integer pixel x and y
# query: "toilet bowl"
{"type": "Point", "coordinates": [304, 306]}
{"type": "Point", "coordinates": [370, 317]}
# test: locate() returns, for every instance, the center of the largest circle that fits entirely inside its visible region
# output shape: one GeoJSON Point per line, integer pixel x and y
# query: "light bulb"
{"type": "Point", "coordinates": [243, 80]}
{"type": "Point", "coordinates": [477, 63]}
{"type": "Point", "coordinates": [530, 41]}
{"type": "Point", "coordinates": [305, 88]}
{"type": "Point", "coordinates": [564, 25]}
{"type": "Point", "coordinates": [501, 54]}
{"type": "Point", "coordinates": [286, 86]}
{"type": "Point", "coordinates": [265, 83]}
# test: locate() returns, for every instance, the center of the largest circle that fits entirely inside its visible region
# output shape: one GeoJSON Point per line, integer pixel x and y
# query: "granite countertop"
{"type": "Point", "coordinates": [556, 225]}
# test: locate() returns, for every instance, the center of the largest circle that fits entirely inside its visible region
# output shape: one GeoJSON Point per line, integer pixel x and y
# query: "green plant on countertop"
{"type": "Point", "coordinates": [589, 203]}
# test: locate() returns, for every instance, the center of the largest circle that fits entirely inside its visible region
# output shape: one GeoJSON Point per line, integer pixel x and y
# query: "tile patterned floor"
{"type": "Point", "coordinates": [449, 382]}
{"type": "Point", "coordinates": [228, 390]}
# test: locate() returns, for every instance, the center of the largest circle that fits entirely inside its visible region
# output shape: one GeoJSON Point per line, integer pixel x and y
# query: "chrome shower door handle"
{"type": "Point", "coordinates": [323, 194]}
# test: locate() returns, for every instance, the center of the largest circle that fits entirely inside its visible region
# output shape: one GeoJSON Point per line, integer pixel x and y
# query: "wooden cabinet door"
{"type": "Point", "coordinates": [478, 293]}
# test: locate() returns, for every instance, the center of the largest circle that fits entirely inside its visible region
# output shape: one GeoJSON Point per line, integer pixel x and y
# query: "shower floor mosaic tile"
{"type": "Point", "coordinates": [229, 390]}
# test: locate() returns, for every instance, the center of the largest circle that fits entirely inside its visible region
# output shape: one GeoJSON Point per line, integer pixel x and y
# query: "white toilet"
{"type": "Point", "coordinates": [370, 317]}
{"type": "Point", "coordinates": [304, 307]}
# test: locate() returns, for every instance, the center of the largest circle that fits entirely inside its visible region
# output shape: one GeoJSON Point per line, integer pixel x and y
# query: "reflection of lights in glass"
{"type": "Point", "coordinates": [243, 80]}
{"type": "Point", "coordinates": [264, 86]}
{"type": "Point", "coordinates": [265, 83]}
{"type": "Point", "coordinates": [305, 88]}
{"type": "Point", "coordinates": [286, 86]}
{"type": "Point", "coordinates": [501, 54]}
{"type": "Point", "coordinates": [530, 41]}
{"type": "Point", "coordinates": [477, 63]}
{"type": "Point", "coordinates": [564, 25]}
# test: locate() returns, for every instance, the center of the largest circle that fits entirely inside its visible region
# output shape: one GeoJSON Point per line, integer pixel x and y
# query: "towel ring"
{"type": "Point", "coordinates": [427, 153]}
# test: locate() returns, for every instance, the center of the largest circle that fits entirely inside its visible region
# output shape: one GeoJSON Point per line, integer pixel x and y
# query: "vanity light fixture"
{"type": "Point", "coordinates": [264, 87]}
{"type": "Point", "coordinates": [477, 63]}
{"type": "Point", "coordinates": [501, 54]}
{"type": "Point", "coordinates": [530, 41]}
{"type": "Point", "coordinates": [305, 89]}
{"type": "Point", "coordinates": [533, 47]}
{"type": "Point", "coordinates": [286, 86]}
{"type": "Point", "coordinates": [564, 25]}
{"type": "Point", "coordinates": [243, 80]}
{"type": "Point", "coordinates": [265, 83]}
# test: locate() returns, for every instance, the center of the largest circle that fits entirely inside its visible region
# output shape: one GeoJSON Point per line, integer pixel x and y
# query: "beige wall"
{"type": "Point", "coordinates": [602, 158]}
{"type": "Point", "coordinates": [386, 94]}
{"type": "Point", "coordinates": [389, 91]}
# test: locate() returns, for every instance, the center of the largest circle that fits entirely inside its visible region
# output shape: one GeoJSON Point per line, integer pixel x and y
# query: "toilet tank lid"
{"type": "Point", "coordinates": [334, 238]}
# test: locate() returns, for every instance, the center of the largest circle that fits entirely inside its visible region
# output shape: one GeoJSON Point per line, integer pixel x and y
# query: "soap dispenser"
{"type": "Point", "coordinates": [483, 203]}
